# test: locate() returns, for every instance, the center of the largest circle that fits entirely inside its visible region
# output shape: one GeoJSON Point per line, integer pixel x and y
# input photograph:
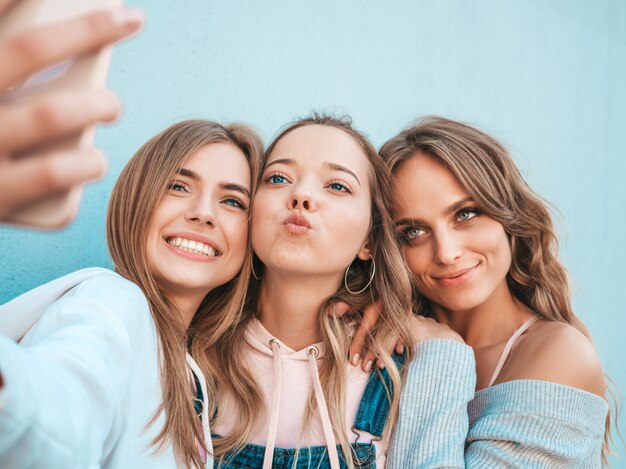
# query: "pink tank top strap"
{"type": "Point", "coordinates": [509, 345]}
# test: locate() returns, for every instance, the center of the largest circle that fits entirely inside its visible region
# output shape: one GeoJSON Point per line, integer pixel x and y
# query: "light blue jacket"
{"type": "Point", "coordinates": [84, 380]}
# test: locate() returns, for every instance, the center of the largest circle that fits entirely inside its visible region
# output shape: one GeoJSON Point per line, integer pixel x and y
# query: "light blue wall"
{"type": "Point", "coordinates": [548, 78]}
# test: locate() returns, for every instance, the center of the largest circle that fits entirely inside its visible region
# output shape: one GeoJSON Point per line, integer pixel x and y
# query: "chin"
{"type": "Point", "coordinates": [462, 303]}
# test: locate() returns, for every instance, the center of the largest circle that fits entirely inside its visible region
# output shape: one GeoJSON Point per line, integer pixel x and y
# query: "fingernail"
{"type": "Point", "coordinates": [368, 367]}
{"type": "Point", "coordinates": [355, 359]}
{"type": "Point", "coordinates": [129, 16]}
{"type": "Point", "coordinates": [401, 349]}
{"type": "Point", "coordinates": [380, 364]}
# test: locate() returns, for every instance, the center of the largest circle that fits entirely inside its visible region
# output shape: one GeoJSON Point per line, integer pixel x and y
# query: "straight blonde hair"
{"type": "Point", "coordinates": [139, 189]}
{"type": "Point", "coordinates": [225, 363]}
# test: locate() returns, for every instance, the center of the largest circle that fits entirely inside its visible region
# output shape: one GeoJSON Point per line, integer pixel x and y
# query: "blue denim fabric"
{"type": "Point", "coordinates": [371, 417]}
{"type": "Point", "coordinates": [313, 457]}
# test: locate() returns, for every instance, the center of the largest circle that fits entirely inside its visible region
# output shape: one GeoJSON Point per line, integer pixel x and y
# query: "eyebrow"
{"type": "Point", "coordinates": [338, 167]}
{"type": "Point", "coordinates": [327, 164]}
{"type": "Point", "coordinates": [188, 173]}
{"type": "Point", "coordinates": [230, 186]}
{"type": "Point", "coordinates": [446, 212]}
{"type": "Point", "coordinates": [235, 187]}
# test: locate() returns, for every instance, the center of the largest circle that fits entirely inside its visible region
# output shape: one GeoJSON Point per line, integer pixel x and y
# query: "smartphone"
{"type": "Point", "coordinates": [86, 71]}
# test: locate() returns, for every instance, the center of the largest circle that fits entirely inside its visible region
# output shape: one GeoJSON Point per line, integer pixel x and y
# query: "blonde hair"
{"type": "Point", "coordinates": [136, 194]}
{"type": "Point", "coordinates": [488, 173]}
{"type": "Point", "coordinates": [392, 285]}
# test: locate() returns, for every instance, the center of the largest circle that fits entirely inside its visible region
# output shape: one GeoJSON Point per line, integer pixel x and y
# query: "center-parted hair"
{"type": "Point", "coordinates": [391, 285]}
{"type": "Point", "coordinates": [488, 173]}
{"type": "Point", "coordinates": [139, 189]}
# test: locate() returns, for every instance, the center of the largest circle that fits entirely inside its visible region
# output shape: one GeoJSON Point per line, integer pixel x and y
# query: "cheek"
{"type": "Point", "coordinates": [260, 213]}
{"type": "Point", "coordinates": [236, 233]}
{"type": "Point", "coordinates": [494, 242]}
{"type": "Point", "coordinates": [353, 217]}
{"type": "Point", "coordinates": [416, 259]}
{"type": "Point", "coordinates": [155, 227]}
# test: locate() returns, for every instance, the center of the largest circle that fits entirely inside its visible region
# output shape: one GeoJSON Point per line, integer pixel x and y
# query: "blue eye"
{"type": "Point", "coordinates": [276, 178]}
{"type": "Point", "coordinates": [178, 186]}
{"type": "Point", "coordinates": [233, 202]}
{"type": "Point", "coordinates": [466, 214]}
{"type": "Point", "coordinates": [413, 233]}
{"type": "Point", "coordinates": [339, 186]}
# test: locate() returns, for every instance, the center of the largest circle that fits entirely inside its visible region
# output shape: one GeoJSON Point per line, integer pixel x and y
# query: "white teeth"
{"type": "Point", "coordinates": [194, 247]}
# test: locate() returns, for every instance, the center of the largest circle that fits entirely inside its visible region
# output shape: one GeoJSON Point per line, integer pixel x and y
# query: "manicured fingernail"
{"type": "Point", "coordinates": [355, 359]}
{"type": "Point", "coordinates": [401, 349]}
{"type": "Point", "coordinates": [368, 367]}
{"type": "Point", "coordinates": [380, 364]}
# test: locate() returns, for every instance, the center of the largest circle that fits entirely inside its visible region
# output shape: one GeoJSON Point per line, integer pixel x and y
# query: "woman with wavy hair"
{"type": "Point", "coordinates": [101, 374]}
{"type": "Point", "coordinates": [281, 389]}
{"type": "Point", "coordinates": [482, 249]}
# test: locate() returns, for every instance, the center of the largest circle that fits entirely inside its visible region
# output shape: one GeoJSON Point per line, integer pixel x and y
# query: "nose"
{"type": "Point", "coordinates": [447, 247]}
{"type": "Point", "coordinates": [302, 198]}
{"type": "Point", "coordinates": [202, 211]}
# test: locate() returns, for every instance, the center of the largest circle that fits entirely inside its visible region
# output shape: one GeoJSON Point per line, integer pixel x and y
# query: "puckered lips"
{"type": "Point", "coordinates": [194, 246]}
{"type": "Point", "coordinates": [297, 224]}
{"type": "Point", "coordinates": [458, 277]}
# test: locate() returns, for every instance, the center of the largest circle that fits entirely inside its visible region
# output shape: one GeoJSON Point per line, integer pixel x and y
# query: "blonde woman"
{"type": "Point", "coordinates": [94, 367]}
{"type": "Point", "coordinates": [483, 253]}
{"type": "Point", "coordinates": [281, 389]}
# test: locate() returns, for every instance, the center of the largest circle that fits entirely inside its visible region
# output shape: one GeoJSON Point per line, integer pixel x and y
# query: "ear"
{"type": "Point", "coordinates": [364, 253]}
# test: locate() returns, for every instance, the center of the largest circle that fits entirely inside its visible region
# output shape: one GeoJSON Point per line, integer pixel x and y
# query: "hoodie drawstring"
{"type": "Point", "coordinates": [313, 352]}
{"type": "Point", "coordinates": [271, 437]}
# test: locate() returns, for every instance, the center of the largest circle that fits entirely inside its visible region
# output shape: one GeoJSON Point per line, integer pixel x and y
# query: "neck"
{"type": "Point", "coordinates": [289, 306]}
{"type": "Point", "coordinates": [187, 305]}
{"type": "Point", "coordinates": [488, 324]}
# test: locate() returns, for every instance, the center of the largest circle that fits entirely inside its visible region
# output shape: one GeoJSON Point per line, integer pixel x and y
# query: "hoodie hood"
{"type": "Point", "coordinates": [260, 339]}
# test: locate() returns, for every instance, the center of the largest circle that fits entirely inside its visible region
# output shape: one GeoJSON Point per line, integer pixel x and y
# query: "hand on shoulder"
{"type": "Point", "coordinates": [427, 328]}
{"type": "Point", "coordinates": [557, 352]}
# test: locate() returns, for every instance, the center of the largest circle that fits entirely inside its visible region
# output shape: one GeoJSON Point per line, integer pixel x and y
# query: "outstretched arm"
{"type": "Point", "coordinates": [30, 124]}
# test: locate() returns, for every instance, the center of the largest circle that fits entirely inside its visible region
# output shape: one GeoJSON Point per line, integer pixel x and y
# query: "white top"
{"type": "Point", "coordinates": [506, 351]}
{"type": "Point", "coordinates": [83, 382]}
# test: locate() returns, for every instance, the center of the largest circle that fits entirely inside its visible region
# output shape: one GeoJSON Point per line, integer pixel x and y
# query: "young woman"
{"type": "Point", "coordinates": [483, 252]}
{"type": "Point", "coordinates": [281, 389]}
{"type": "Point", "coordinates": [100, 376]}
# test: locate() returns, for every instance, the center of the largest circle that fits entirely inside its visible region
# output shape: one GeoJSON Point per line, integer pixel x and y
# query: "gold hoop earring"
{"type": "Point", "coordinates": [372, 273]}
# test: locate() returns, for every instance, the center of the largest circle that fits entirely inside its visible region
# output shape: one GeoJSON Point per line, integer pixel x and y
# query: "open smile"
{"type": "Point", "coordinates": [192, 249]}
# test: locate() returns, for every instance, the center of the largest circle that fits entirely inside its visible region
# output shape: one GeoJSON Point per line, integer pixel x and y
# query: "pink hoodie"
{"type": "Point", "coordinates": [296, 372]}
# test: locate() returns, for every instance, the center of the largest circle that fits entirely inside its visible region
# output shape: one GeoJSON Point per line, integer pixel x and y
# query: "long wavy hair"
{"type": "Point", "coordinates": [225, 360]}
{"type": "Point", "coordinates": [139, 189]}
{"type": "Point", "coordinates": [488, 173]}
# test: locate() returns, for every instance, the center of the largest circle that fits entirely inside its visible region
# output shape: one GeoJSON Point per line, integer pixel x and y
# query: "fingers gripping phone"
{"type": "Point", "coordinates": [87, 71]}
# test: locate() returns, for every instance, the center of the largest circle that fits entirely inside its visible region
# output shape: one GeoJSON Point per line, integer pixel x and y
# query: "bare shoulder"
{"type": "Point", "coordinates": [560, 353]}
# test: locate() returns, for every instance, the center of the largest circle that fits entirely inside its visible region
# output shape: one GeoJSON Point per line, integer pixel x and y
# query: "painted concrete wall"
{"type": "Point", "coordinates": [547, 78]}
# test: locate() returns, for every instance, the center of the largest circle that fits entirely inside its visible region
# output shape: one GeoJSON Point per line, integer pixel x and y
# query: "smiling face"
{"type": "Point", "coordinates": [197, 236]}
{"type": "Point", "coordinates": [311, 213]}
{"type": "Point", "coordinates": [459, 256]}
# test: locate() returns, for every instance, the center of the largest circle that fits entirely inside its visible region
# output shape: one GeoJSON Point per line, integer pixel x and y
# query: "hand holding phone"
{"type": "Point", "coordinates": [54, 60]}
